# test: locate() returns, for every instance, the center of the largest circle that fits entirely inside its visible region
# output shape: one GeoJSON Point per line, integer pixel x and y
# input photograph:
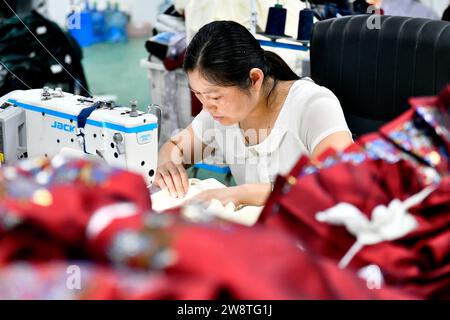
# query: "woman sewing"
{"type": "Point", "coordinates": [256, 112]}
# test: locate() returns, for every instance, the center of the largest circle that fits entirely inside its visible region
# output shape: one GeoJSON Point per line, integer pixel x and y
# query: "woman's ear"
{"type": "Point", "coordinates": [257, 78]}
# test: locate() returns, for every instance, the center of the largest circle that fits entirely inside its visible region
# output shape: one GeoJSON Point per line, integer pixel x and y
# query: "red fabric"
{"type": "Point", "coordinates": [214, 260]}
{"type": "Point", "coordinates": [28, 244]}
{"type": "Point", "coordinates": [99, 245]}
{"type": "Point", "coordinates": [404, 262]}
{"type": "Point", "coordinates": [50, 231]}
{"type": "Point", "coordinates": [441, 104]}
{"type": "Point", "coordinates": [173, 63]}
{"type": "Point", "coordinates": [419, 263]}
{"type": "Point", "coordinates": [429, 142]}
{"type": "Point", "coordinates": [272, 269]}
{"type": "Point", "coordinates": [73, 205]}
{"type": "Point", "coordinates": [221, 260]}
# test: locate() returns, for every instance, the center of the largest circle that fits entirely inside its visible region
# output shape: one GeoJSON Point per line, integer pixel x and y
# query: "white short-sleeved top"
{"type": "Point", "coordinates": [309, 114]}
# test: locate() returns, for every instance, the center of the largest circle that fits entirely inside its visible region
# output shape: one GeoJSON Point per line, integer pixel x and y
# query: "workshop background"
{"type": "Point", "coordinates": [389, 241]}
{"type": "Point", "coordinates": [123, 43]}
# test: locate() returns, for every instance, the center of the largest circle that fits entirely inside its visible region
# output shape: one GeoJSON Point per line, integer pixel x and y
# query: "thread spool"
{"type": "Point", "coordinates": [305, 25]}
{"type": "Point", "coordinates": [276, 20]}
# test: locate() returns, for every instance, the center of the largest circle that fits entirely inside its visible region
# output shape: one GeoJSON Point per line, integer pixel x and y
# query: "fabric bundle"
{"type": "Point", "coordinates": [80, 230]}
{"type": "Point", "coordinates": [385, 201]}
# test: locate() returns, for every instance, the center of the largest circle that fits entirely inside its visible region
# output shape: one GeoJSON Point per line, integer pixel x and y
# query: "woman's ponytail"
{"type": "Point", "coordinates": [278, 68]}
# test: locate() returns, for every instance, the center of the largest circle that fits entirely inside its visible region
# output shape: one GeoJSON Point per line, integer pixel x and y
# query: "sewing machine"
{"type": "Point", "coordinates": [45, 123]}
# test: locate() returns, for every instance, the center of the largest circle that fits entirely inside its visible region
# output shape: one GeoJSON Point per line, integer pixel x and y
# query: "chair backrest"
{"type": "Point", "coordinates": [373, 72]}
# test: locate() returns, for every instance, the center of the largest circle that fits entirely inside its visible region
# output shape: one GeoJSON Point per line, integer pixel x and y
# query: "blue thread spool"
{"type": "Point", "coordinates": [305, 25]}
{"type": "Point", "coordinates": [276, 20]}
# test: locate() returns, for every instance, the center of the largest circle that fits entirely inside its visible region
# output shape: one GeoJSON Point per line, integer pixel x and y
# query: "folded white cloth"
{"type": "Point", "coordinates": [247, 215]}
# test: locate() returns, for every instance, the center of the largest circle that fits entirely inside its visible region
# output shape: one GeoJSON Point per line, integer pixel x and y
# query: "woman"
{"type": "Point", "coordinates": [256, 112]}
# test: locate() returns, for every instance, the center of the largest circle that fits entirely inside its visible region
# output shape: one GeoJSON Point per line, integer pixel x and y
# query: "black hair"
{"type": "Point", "coordinates": [224, 52]}
{"type": "Point", "coordinates": [446, 15]}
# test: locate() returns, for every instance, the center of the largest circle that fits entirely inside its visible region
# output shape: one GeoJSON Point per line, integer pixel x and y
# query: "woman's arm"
{"type": "Point", "coordinates": [257, 194]}
{"type": "Point", "coordinates": [337, 141]}
{"type": "Point", "coordinates": [177, 154]}
{"type": "Point", "coordinates": [183, 148]}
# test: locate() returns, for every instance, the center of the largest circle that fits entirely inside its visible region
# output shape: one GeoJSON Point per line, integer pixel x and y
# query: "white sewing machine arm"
{"type": "Point", "coordinates": [56, 122]}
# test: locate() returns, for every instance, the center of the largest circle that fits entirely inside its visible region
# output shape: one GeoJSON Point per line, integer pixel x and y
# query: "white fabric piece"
{"type": "Point", "coordinates": [162, 200]}
{"type": "Point", "coordinates": [373, 276]}
{"type": "Point", "coordinates": [387, 223]}
{"type": "Point", "coordinates": [309, 114]}
{"type": "Point", "coordinates": [248, 215]}
{"type": "Point", "coordinates": [104, 216]}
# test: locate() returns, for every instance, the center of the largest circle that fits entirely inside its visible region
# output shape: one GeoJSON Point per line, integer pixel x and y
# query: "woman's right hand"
{"type": "Point", "coordinates": [173, 177]}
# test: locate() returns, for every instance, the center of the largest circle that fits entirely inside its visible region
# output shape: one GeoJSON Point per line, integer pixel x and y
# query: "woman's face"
{"type": "Point", "coordinates": [227, 105]}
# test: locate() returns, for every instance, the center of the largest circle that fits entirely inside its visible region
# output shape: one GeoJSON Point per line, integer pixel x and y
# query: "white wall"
{"type": "Point", "coordinates": [140, 10]}
{"type": "Point", "coordinates": [57, 10]}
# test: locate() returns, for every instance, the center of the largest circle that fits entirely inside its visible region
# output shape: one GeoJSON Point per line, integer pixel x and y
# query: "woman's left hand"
{"type": "Point", "coordinates": [224, 195]}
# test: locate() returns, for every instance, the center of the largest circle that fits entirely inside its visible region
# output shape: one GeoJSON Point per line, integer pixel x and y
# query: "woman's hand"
{"type": "Point", "coordinates": [224, 195]}
{"type": "Point", "coordinates": [246, 194]}
{"type": "Point", "coordinates": [173, 177]}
